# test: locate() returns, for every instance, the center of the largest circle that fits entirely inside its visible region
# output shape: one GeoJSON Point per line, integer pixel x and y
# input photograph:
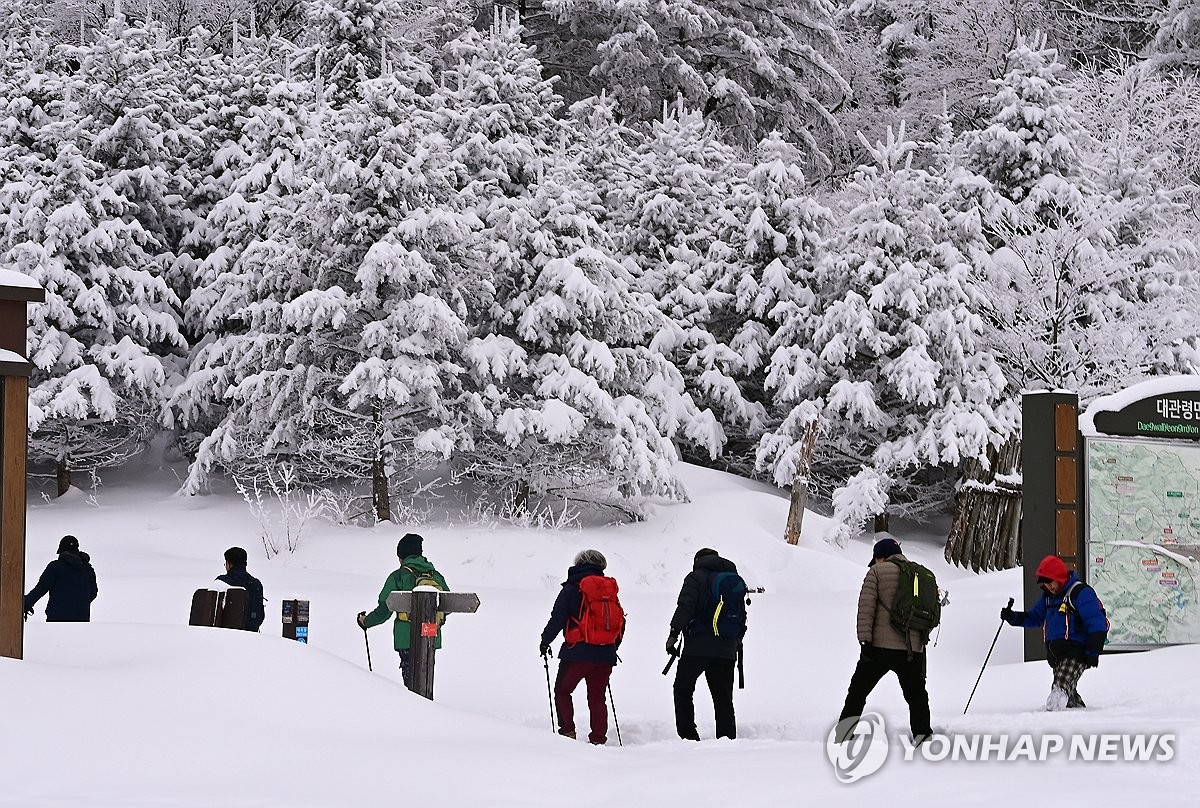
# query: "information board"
{"type": "Point", "coordinates": [1143, 539]}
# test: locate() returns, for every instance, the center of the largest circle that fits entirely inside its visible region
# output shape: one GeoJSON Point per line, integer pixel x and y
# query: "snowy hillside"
{"type": "Point", "coordinates": [138, 709]}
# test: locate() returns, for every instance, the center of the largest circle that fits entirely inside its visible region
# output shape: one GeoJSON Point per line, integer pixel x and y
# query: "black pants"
{"type": "Point", "coordinates": [719, 674]}
{"type": "Point", "coordinates": [875, 663]}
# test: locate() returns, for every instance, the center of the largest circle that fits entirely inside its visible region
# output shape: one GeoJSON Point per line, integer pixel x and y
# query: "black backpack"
{"type": "Point", "coordinates": [917, 606]}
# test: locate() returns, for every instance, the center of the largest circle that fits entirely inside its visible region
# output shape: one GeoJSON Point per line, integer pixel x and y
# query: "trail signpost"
{"type": "Point", "coordinates": [423, 605]}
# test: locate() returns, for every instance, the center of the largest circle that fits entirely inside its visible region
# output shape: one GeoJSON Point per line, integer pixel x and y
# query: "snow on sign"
{"type": "Point", "coordinates": [1144, 539]}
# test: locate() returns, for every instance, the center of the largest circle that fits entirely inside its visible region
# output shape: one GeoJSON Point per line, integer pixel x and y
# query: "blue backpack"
{"type": "Point", "coordinates": [726, 612]}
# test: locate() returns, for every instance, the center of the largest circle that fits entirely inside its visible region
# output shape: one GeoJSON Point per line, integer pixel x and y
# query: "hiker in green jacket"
{"type": "Point", "coordinates": [415, 570]}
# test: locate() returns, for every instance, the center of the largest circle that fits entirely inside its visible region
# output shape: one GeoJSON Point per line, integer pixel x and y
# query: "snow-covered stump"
{"type": "Point", "coordinates": [16, 291]}
{"type": "Point", "coordinates": [423, 604]}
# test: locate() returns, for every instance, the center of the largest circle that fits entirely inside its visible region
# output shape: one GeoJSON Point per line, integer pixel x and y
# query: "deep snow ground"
{"type": "Point", "coordinates": [138, 709]}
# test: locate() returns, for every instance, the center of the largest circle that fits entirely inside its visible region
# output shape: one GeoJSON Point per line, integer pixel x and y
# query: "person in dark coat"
{"type": "Point", "coordinates": [885, 649]}
{"type": "Point", "coordinates": [580, 661]}
{"type": "Point", "coordinates": [71, 583]}
{"type": "Point", "coordinates": [1073, 624]}
{"type": "Point", "coordinates": [236, 575]}
{"type": "Point", "coordinates": [703, 653]}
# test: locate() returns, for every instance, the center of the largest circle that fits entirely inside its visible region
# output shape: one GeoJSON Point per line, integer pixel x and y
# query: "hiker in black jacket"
{"type": "Point", "coordinates": [703, 653]}
{"type": "Point", "coordinates": [71, 582]}
{"type": "Point", "coordinates": [236, 575]}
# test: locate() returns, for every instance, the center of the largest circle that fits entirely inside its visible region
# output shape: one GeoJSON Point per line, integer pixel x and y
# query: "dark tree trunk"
{"type": "Point", "coordinates": [63, 476]}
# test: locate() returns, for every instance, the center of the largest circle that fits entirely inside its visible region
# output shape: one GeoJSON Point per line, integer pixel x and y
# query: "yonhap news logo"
{"type": "Point", "coordinates": [858, 747]}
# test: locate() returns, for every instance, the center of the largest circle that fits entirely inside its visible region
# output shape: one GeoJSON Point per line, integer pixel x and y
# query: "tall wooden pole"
{"type": "Point", "coordinates": [15, 292]}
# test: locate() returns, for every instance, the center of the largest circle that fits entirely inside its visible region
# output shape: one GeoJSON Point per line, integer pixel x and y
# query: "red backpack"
{"type": "Point", "coordinates": [601, 618]}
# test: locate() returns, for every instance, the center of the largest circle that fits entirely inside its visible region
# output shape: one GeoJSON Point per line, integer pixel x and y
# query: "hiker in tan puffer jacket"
{"type": "Point", "coordinates": [884, 649]}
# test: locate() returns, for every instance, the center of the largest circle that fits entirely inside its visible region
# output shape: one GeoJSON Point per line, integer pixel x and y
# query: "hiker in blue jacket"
{"type": "Point", "coordinates": [1073, 623]}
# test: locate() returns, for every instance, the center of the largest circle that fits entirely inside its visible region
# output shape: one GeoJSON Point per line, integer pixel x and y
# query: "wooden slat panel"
{"type": "Point", "coordinates": [205, 604]}
{"type": "Point", "coordinates": [14, 391]}
{"type": "Point", "coordinates": [234, 615]}
{"type": "Point", "coordinates": [1066, 536]}
{"type": "Point", "coordinates": [1066, 481]}
{"type": "Point", "coordinates": [1066, 427]}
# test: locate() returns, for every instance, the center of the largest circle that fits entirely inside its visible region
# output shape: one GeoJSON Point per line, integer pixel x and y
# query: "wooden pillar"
{"type": "Point", "coordinates": [1051, 501]}
{"type": "Point", "coordinates": [15, 292]}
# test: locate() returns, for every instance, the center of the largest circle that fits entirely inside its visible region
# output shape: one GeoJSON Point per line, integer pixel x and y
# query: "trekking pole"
{"type": "Point", "coordinates": [985, 660]}
{"type": "Point", "coordinates": [616, 723]}
{"type": "Point", "coordinates": [670, 662]}
{"type": "Point", "coordinates": [741, 672]}
{"type": "Point", "coordinates": [549, 693]}
{"type": "Point", "coordinates": [367, 642]}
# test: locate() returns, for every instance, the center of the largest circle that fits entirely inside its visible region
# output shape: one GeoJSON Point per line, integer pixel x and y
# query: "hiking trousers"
{"type": "Point", "coordinates": [875, 663]}
{"type": "Point", "coordinates": [718, 672]}
{"type": "Point", "coordinates": [570, 674]}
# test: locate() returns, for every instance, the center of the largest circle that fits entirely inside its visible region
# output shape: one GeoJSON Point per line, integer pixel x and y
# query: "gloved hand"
{"type": "Point", "coordinates": [362, 620]}
{"type": "Point", "coordinates": [1006, 614]}
{"type": "Point", "coordinates": [673, 645]}
{"type": "Point", "coordinates": [864, 650]}
{"type": "Point", "coordinates": [544, 649]}
{"type": "Point", "coordinates": [28, 614]}
{"type": "Point", "coordinates": [1091, 661]}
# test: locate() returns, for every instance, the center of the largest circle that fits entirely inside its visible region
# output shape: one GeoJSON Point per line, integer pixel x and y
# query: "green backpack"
{"type": "Point", "coordinates": [917, 606]}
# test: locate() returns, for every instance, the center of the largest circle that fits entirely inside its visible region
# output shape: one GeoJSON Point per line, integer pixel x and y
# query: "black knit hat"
{"type": "Point", "coordinates": [68, 544]}
{"type": "Point", "coordinates": [702, 552]}
{"type": "Point", "coordinates": [236, 556]}
{"type": "Point", "coordinates": [410, 545]}
{"type": "Point", "coordinates": [884, 548]}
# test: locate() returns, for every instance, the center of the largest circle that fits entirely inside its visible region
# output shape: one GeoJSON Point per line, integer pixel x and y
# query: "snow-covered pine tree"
{"type": "Point", "coordinates": [581, 411]}
{"type": "Point", "coordinates": [350, 320]}
{"type": "Point", "coordinates": [896, 364]}
{"type": "Point", "coordinates": [1088, 291]}
{"type": "Point", "coordinates": [568, 402]}
{"type": "Point", "coordinates": [760, 299]}
{"type": "Point", "coordinates": [907, 60]}
{"type": "Point", "coordinates": [97, 344]}
{"type": "Point", "coordinates": [668, 223]}
{"type": "Point", "coordinates": [604, 152]}
{"type": "Point", "coordinates": [753, 66]}
{"type": "Point", "coordinates": [1177, 42]}
{"type": "Point", "coordinates": [131, 116]}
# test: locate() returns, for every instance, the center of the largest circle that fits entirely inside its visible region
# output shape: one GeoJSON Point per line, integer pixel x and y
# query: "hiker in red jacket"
{"type": "Point", "coordinates": [589, 616]}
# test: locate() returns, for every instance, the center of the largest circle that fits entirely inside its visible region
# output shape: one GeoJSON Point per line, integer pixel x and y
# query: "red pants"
{"type": "Point", "coordinates": [570, 674]}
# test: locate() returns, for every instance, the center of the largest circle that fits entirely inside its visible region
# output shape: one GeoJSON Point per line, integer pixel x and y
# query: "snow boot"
{"type": "Point", "coordinates": [1057, 700]}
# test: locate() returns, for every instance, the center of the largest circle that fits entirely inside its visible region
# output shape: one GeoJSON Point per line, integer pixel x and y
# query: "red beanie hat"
{"type": "Point", "coordinates": [1052, 567]}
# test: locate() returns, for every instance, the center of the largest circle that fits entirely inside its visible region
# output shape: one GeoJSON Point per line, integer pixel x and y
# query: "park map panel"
{"type": "Point", "coordinates": [1144, 539]}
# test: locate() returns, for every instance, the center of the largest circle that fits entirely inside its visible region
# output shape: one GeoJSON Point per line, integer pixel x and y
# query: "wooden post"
{"type": "Point", "coordinates": [16, 290]}
{"type": "Point", "coordinates": [423, 605]}
{"type": "Point", "coordinates": [1050, 500]}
